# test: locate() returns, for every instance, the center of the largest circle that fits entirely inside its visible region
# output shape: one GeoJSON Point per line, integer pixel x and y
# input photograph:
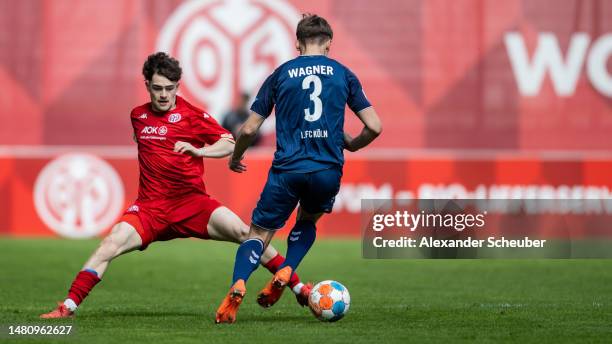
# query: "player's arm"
{"type": "Point", "coordinates": [220, 149]}
{"type": "Point", "coordinates": [371, 130]}
{"type": "Point", "coordinates": [246, 136]}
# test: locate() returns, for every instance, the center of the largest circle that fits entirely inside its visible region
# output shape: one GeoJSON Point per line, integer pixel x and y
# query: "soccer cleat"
{"type": "Point", "coordinates": [302, 297]}
{"type": "Point", "coordinates": [229, 306]}
{"type": "Point", "coordinates": [272, 292]}
{"type": "Point", "coordinates": [60, 312]}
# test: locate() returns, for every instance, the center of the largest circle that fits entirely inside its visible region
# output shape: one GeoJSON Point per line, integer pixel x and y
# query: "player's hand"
{"type": "Point", "coordinates": [236, 165]}
{"type": "Point", "coordinates": [348, 140]}
{"type": "Point", "coordinates": [187, 148]}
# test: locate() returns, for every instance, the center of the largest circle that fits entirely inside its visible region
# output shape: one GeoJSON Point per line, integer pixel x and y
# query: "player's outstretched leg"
{"type": "Point", "coordinates": [300, 240]}
{"type": "Point", "coordinates": [247, 260]}
{"type": "Point", "coordinates": [123, 238]}
{"type": "Point", "coordinates": [225, 225]}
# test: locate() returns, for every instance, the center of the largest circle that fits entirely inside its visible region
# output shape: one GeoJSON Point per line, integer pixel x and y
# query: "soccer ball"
{"type": "Point", "coordinates": [329, 301]}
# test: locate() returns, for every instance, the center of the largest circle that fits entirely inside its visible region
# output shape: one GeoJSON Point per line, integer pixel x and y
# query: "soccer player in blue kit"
{"type": "Point", "coordinates": [310, 93]}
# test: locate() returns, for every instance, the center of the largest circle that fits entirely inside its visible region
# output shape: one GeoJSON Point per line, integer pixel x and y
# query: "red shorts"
{"type": "Point", "coordinates": [161, 220]}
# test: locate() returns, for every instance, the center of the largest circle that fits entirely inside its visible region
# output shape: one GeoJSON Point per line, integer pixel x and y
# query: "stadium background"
{"type": "Point", "coordinates": [478, 99]}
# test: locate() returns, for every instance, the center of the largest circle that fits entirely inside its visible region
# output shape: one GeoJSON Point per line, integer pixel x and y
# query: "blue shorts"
{"type": "Point", "coordinates": [315, 191]}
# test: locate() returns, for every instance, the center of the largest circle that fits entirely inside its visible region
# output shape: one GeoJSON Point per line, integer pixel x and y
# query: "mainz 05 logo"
{"type": "Point", "coordinates": [228, 47]}
{"type": "Point", "coordinates": [78, 195]}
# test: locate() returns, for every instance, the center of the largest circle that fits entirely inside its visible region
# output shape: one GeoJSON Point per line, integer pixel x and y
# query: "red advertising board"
{"type": "Point", "coordinates": [81, 194]}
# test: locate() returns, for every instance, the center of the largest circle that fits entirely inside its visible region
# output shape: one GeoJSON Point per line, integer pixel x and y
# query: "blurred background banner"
{"type": "Point", "coordinates": [478, 98]}
{"type": "Point", "coordinates": [79, 195]}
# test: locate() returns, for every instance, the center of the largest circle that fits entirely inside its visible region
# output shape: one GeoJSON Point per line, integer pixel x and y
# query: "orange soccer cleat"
{"type": "Point", "coordinates": [60, 312]}
{"type": "Point", "coordinates": [229, 306]}
{"type": "Point", "coordinates": [272, 292]}
{"type": "Point", "coordinates": [302, 297]}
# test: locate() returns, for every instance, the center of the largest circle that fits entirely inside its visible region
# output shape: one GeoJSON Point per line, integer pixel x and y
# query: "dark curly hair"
{"type": "Point", "coordinates": [313, 29]}
{"type": "Point", "coordinates": [162, 64]}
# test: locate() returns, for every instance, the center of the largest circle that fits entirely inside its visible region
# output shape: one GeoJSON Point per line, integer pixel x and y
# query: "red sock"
{"type": "Point", "coordinates": [82, 285]}
{"type": "Point", "coordinates": [273, 265]}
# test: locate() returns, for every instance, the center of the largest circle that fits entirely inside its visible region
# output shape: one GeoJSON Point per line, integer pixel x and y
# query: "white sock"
{"type": "Point", "coordinates": [298, 288]}
{"type": "Point", "coordinates": [70, 305]}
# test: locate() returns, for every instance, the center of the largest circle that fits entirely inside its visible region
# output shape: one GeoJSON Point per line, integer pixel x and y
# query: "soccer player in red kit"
{"type": "Point", "coordinates": [172, 200]}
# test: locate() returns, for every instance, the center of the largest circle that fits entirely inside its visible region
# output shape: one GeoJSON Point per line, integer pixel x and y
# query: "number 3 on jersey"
{"type": "Point", "coordinates": [314, 97]}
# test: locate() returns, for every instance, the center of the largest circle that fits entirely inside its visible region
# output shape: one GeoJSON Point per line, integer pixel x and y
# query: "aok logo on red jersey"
{"type": "Point", "coordinates": [151, 130]}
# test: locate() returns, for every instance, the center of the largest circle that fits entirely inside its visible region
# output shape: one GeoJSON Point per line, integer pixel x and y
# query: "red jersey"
{"type": "Point", "coordinates": [165, 174]}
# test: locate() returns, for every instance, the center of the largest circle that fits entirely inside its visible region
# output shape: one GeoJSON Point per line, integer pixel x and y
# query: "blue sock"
{"type": "Point", "coordinates": [247, 259]}
{"type": "Point", "coordinates": [299, 241]}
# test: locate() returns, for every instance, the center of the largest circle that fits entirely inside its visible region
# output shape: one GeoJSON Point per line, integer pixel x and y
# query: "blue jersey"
{"type": "Point", "coordinates": [310, 94]}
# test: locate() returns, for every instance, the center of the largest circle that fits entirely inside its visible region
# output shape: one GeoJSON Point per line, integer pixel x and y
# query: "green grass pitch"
{"type": "Point", "coordinates": [169, 293]}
